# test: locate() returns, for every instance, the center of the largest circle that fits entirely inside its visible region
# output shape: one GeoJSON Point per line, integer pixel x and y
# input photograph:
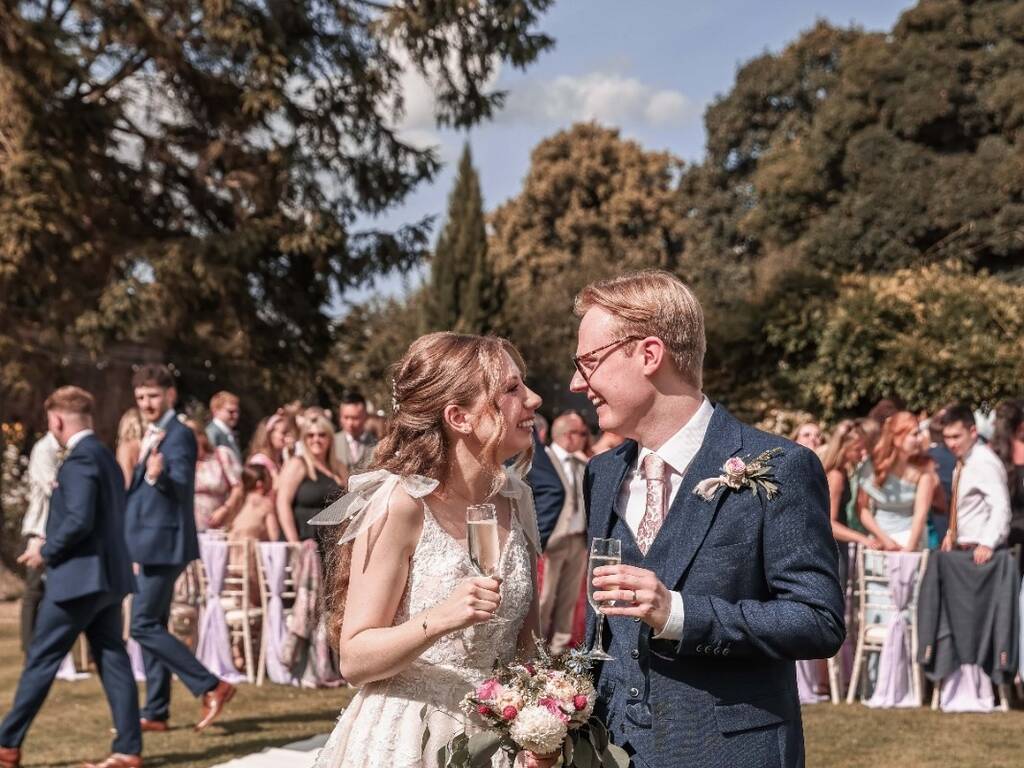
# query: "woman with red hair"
{"type": "Point", "coordinates": [899, 485]}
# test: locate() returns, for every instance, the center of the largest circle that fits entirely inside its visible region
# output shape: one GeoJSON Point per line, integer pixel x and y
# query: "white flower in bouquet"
{"type": "Point", "coordinates": [560, 687]}
{"type": "Point", "coordinates": [538, 730]}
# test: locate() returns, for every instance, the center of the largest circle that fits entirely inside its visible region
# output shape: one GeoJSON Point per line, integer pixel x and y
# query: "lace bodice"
{"type": "Point", "coordinates": [461, 659]}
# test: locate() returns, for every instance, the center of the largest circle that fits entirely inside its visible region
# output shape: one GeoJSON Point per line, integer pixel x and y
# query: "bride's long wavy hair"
{"type": "Point", "coordinates": [438, 370]}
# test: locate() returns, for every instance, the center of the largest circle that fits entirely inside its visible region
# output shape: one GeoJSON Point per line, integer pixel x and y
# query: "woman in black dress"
{"type": "Point", "coordinates": [310, 481]}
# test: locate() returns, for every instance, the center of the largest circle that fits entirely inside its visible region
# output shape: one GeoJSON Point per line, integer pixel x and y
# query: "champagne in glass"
{"type": "Point", "coordinates": [484, 544]}
{"type": "Point", "coordinates": [602, 552]}
{"type": "Point", "coordinates": [482, 532]}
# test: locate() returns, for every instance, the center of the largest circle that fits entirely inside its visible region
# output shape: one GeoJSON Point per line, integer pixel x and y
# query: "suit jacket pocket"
{"type": "Point", "coordinates": [747, 715]}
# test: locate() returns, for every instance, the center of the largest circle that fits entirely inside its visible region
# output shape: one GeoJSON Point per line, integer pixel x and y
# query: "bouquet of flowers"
{"type": "Point", "coordinates": [544, 705]}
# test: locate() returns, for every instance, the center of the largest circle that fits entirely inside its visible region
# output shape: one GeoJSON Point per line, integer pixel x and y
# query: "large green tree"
{"type": "Point", "coordinates": [463, 293]}
{"type": "Point", "coordinates": [190, 174]}
{"type": "Point", "coordinates": [592, 204]}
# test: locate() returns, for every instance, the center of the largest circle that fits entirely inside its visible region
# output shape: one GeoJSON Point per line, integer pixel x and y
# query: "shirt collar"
{"type": "Point", "coordinates": [163, 421]}
{"type": "Point", "coordinates": [560, 452]}
{"type": "Point", "coordinates": [679, 450]}
{"type": "Point", "coordinates": [222, 426]}
{"type": "Point", "coordinates": [76, 438]}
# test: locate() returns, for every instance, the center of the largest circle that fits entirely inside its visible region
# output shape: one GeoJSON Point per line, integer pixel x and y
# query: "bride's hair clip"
{"type": "Point", "coordinates": [395, 405]}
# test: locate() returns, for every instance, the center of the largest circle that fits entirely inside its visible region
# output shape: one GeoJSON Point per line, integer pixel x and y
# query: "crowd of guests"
{"type": "Point", "coordinates": [892, 478]}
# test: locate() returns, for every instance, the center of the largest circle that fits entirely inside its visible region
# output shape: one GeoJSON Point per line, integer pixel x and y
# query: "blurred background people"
{"type": "Point", "coordinates": [218, 483]}
{"type": "Point", "coordinates": [221, 430]}
{"type": "Point", "coordinates": [808, 434]}
{"type": "Point", "coordinates": [309, 481]}
{"type": "Point", "coordinates": [128, 446]}
{"type": "Point", "coordinates": [354, 444]}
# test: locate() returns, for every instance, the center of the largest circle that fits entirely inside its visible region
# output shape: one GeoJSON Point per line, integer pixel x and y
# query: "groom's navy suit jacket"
{"type": "Point", "coordinates": [760, 590]}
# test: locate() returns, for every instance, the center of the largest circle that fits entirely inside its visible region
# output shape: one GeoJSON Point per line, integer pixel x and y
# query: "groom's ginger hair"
{"type": "Point", "coordinates": [654, 303]}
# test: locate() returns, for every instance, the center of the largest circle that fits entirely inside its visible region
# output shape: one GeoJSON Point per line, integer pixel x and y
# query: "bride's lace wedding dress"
{"type": "Point", "coordinates": [383, 725]}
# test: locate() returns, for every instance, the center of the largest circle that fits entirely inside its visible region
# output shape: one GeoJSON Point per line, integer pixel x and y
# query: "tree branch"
{"type": "Point", "coordinates": [129, 68]}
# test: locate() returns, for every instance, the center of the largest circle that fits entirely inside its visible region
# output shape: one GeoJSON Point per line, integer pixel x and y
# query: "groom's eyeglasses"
{"type": "Point", "coordinates": [586, 364]}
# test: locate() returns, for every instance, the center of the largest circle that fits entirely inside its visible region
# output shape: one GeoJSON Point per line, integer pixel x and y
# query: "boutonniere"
{"type": "Point", "coordinates": [757, 474]}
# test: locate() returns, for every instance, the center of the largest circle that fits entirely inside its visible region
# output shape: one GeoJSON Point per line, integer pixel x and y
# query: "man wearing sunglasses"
{"type": "Point", "coordinates": [718, 593]}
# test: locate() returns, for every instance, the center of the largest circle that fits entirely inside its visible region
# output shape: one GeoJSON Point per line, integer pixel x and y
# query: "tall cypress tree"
{"type": "Point", "coordinates": [463, 294]}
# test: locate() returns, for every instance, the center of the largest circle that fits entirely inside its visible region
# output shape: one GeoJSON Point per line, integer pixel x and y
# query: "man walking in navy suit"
{"type": "Point", "coordinates": [729, 568]}
{"type": "Point", "coordinates": [161, 534]}
{"type": "Point", "coordinates": [88, 573]}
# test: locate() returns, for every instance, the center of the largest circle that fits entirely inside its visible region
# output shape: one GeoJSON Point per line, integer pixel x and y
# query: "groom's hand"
{"type": "Point", "coordinates": [636, 593]}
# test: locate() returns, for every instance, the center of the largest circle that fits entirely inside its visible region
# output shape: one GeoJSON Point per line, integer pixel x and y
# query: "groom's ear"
{"type": "Point", "coordinates": [652, 354]}
{"type": "Point", "coordinates": [458, 419]}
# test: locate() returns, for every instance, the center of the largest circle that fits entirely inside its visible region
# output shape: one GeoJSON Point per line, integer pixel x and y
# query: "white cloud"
{"type": "Point", "coordinates": [606, 97]}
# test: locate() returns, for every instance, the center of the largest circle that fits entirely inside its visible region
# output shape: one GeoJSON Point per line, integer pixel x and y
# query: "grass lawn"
{"type": "Point", "coordinates": [74, 725]}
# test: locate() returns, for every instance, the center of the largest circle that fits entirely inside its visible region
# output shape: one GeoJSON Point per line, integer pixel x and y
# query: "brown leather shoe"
{"type": "Point", "coordinates": [214, 702]}
{"type": "Point", "coordinates": [154, 726]}
{"type": "Point", "coordinates": [117, 760]}
{"type": "Point", "coordinates": [10, 757]}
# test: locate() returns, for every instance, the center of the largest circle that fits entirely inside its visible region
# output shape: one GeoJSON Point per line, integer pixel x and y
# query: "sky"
{"type": "Point", "coordinates": [647, 67]}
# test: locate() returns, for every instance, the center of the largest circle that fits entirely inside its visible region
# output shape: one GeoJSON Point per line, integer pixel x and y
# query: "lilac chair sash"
{"type": "Point", "coordinates": [135, 657]}
{"type": "Point", "coordinates": [69, 672]}
{"type": "Point", "coordinates": [274, 555]}
{"type": "Point", "coordinates": [895, 687]}
{"type": "Point", "coordinates": [807, 680]}
{"type": "Point", "coordinates": [214, 647]}
{"type": "Point", "coordinates": [968, 689]}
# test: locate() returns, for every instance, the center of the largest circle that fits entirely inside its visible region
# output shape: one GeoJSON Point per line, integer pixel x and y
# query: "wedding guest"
{"type": "Point", "coordinates": [565, 552]}
{"type": "Point", "coordinates": [840, 457]}
{"type": "Point", "coordinates": [221, 430]}
{"type": "Point", "coordinates": [606, 442]}
{"type": "Point", "coordinates": [542, 428]}
{"type": "Point", "coordinates": [808, 434]}
{"type": "Point", "coordinates": [267, 447]}
{"type": "Point", "coordinates": [218, 489]}
{"type": "Point", "coordinates": [1008, 444]}
{"type": "Point", "coordinates": [88, 573]}
{"type": "Point", "coordinates": [945, 463]}
{"type": "Point", "coordinates": [43, 463]}
{"type": "Point", "coordinates": [161, 533]}
{"type": "Point", "coordinates": [129, 442]}
{"type": "Point", "coordinates": [354, 445]}
{"type": "Point", "coordinates": [899, 486]}
{"type": "Point", "coordinates": [308, 482]}
{"type": "Point", "coordinates": [979, 519]}
{"type": "Point", "coordinates": [257, 519]}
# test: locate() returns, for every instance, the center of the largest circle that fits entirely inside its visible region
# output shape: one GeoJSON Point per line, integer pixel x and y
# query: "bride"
{"type": "Point", "coordinates": [417, 628]}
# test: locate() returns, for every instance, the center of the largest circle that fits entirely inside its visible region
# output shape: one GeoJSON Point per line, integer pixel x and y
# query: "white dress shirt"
{"type": "Point", "coordinates": [572, 468]}
{"type": "Point", "coordinates": [355, 447]}
{"type": "Point", "coordinates": [43, 463]}
{"type": "Point", "coordinates": [983, 499]}
{"type": "Point", "coordinates": [677, 453]}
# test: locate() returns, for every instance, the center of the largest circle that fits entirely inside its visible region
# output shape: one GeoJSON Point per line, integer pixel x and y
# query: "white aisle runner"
{"type": "Point", "coordinates": [298, 755]}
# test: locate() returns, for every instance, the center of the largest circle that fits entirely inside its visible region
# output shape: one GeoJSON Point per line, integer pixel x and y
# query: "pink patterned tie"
{"type": "Point", "coordinates": [657, 494]}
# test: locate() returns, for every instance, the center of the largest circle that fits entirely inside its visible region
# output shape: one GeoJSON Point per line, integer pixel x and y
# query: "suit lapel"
{"type": "Point", "coordinates": [606, 489]}
{"type": "Point", "coordinates": [690, 517]}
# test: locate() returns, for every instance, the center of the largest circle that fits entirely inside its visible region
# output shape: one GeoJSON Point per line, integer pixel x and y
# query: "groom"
{"type": "Point", "coordinates": [715, 598]}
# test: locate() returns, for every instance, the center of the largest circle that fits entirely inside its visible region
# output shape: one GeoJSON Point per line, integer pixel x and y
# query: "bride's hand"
{"type": "Point", "coordinates": [473, 601]}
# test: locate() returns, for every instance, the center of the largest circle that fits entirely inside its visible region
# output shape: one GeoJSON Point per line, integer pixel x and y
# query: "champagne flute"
{"type": "Point", "coordinates": [602, 552]}
{"type": "Point", "coordinates": [484, 543]}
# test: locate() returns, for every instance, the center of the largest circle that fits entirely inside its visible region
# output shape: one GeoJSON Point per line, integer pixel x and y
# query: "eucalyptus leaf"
{"type": "Point", "coordinates": [585, 756]}
{"type": "Point", "coordinates": [481, 748]}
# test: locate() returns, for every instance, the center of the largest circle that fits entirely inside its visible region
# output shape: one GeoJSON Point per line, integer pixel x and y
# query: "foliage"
{"type": "Point", "coordinates": [852, 151]}
{"type": "Point", "coordinates": [189, 174]}
{"type": "Point", "coordinates": [370, 338]}
{"type": "Point", "coordinates": [926, 336]}
{"type": "Point", "coordinates": [14, 490]}
{"type": "Point", "coordinates": [592, 204]}
{"type": "Point", "coordinates": [464, 294]}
